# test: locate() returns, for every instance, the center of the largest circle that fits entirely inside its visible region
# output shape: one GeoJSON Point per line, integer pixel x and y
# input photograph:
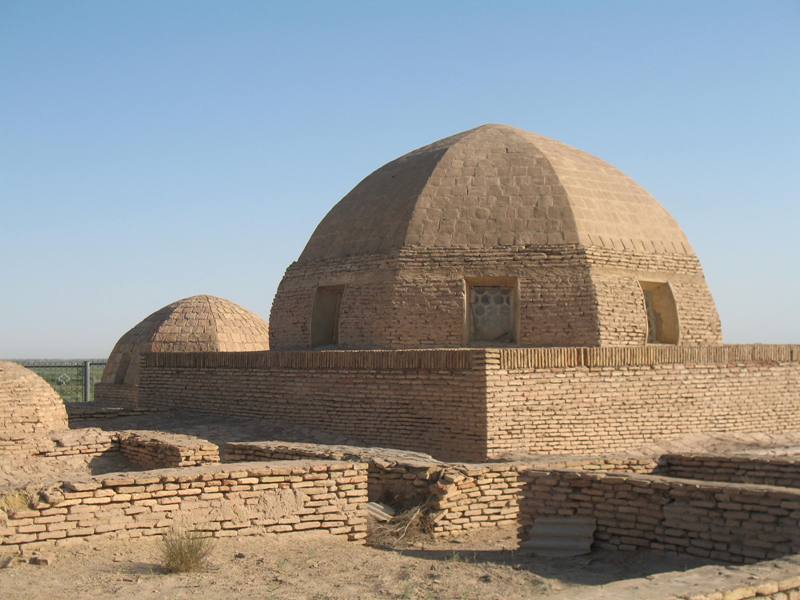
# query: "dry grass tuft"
{"type": "Point", "coordinates": [17, 500]}
{"type": "Point", "coordinates": [185, 551]}
{"type": "Point", "coordinates": [407, 527]}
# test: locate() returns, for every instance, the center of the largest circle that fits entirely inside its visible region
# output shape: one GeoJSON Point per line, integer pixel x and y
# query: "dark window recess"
{"type": "Point", "coordinates": [662, 314]}
{"type": "Point", "coordinates": [122, 369]}
{"type": "Point", "coordinates": [491, 311]}
{"type": "Point", "coordinates": [325, 316]}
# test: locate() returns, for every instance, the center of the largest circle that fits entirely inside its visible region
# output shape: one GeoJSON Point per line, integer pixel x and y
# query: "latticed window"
{"type": "Point", "coordinates": [491, 314]}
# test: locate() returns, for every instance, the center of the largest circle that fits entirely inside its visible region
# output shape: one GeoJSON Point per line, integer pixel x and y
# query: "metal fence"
{"type": "Point", "coordinates": [74, 380]}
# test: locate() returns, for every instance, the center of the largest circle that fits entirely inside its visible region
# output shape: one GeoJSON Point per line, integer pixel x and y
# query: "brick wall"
{"type": "Point", "coordinates": [456, 497]}
{"type": "Point", "coordinates": [430, 401]}
{"type": "Point", "coordinates": [474, 404]}
{"type": "Point", "coordinates": [568, 296]}
{"type": "Point", "coordinates": [781, 471]}
{"type": "Point", "coordinates": [617, 399]}
{"type": "Point", "coordinates": [219, 500]}
{"type": "Point", "coordinates": [116, 394]}
{"type": "Point", "coordinates": [154, 450]}
{"type": "Point", "coordinates": [721, 521]}
{"type": "Point", "coordinates": [394, 477]}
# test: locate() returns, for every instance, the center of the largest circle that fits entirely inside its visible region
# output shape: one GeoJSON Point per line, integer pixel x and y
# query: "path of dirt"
{"type": "Point", "coordinates": [319, 566]}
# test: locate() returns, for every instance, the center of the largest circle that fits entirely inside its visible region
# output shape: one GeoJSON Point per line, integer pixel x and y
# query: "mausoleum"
{"type": "Point", "coordinates": [195, 324]}
{"type": "Point", "coordinates": [491, 294]}
{"type": "Point", "coordinates": [495, 237]}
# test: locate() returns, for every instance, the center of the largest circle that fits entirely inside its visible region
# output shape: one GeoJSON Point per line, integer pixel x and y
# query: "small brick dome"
{"type": "Point", "coordinates": [195, 324]}
{"type": "Point", "coordinates": [30, 409]}
{"type": "Point", "coordinates": [558, 247]}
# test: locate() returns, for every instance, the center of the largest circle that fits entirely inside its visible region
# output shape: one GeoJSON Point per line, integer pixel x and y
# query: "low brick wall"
{"type": "Point", "coordinates": [155, 450]}
{"type": "Point", "coordinates": [89, 442]}
{"type": "Point", "coordinates": [472, 496]}
{"type": "Point", "coordinates": [218, 500]}
{"type": "Point", "coordinates": [731, 522]}
{"type": "Point", "coordinates": [394, 477]}
{"type": "Point", "coordinates": [459, 497]}
{"type": "Point", "coordinates": [781, 471]}
{"type": "Point", "coordinates": [787, 588]}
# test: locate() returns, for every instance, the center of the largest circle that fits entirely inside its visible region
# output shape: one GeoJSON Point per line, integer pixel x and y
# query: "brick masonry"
{"type": "Point", "coordinates": [155, 450]}
{"type": "Point", "coordinates": [721, 521]}
{"type": "Point", "coordinates": [474, 404]}
{"type": "Point", "coordinates": [494, 202]}
{"type": "Point", "coordinates": [768, 470]}
{"type": "Point", "coordinates": [217, 500]}
{"type": "Point", "coordinates": [567, 296]}
{"type": "Point", "coordinates": [30, 410]}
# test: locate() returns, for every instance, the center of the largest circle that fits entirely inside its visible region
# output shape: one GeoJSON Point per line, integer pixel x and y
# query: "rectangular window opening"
{"type": "Point", "coordinates": [491, 313]}
{"type": "Point", "coordinates": [662, 313]}
{"type": "Point", "coordinates": [325, 316]}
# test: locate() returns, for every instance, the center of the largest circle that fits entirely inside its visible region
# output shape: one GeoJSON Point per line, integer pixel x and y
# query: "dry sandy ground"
{"type": "Point", "coordinates": [319, 566]}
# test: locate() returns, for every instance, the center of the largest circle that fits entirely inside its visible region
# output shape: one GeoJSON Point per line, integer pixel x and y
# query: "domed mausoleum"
{"type": "Point", "coordinates": [493, 237]}
{"type": "Point", "coordinates": [30, 409]}
{"type": "Point", "coordinates": [195, 324]}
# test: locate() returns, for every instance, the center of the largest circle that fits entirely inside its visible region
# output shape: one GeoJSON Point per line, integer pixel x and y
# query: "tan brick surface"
{"type": "Point", "coordinates": [195, 324]}
{"type": "Point", "coordinates": [494, 202]}
{"type": "Point", "coordinates": [30, 410]}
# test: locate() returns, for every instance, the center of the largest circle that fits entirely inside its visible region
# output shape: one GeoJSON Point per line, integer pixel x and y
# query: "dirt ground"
{"type": "Point", "coordinates": [319, 566]}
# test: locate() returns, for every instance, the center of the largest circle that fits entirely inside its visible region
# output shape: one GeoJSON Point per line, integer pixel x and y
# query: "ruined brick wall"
{"type": "Point", "coordinates": [154, 450]}
{"type": "Point", "coordinates": [217, 500]}
{"type": "Point", "coordinates": [607, 400]}
{"type": "Point", "coordinates": [430, 401]}
{"type": "Point", "coordinates": [395, 477]}
{"type": "Point", "coordinates": [768, 470]}
{"type": "Point", "coordinates": [89, 441]}
{"type": "Point", "coordinates": [568, 296]}
{"type": "Point", "coordinates": [721, 521]}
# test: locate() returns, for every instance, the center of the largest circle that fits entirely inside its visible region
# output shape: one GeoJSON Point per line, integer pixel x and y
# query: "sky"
{"type": "Point", "coordinates": [153, 150]}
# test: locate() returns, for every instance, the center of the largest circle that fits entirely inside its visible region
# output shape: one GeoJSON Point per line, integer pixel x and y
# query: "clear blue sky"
{"type": "Point", "coordinates": [155, 150]}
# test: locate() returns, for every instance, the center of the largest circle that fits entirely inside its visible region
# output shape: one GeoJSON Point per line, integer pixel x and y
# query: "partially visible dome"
{"type": "Point", "coordinates": [30, 409]}
{"type": "Point", "coordinates": [195, 324]}
{"type": "Point", "coordinates": [495, 186]}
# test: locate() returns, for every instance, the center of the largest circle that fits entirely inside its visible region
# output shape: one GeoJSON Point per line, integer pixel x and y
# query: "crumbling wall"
{"type": "Point", "coordinates": [217, 500]}
{"type": "Point", "coordinates": [155, 450]}
{"type": "Point", "coordinates": [721, 521]}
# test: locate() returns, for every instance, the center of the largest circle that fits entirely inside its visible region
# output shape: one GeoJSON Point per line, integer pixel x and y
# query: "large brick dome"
{"type": "Point", "coordinates": [495, 216]}
{"type": "Point", "coordinates": [30, 409]}
{"type": "Point", "coordinates": [195, 324]}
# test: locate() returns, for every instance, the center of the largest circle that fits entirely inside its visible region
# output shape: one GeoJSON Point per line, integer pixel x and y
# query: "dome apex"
{"type": "Point", "coordinates": [495, 186]}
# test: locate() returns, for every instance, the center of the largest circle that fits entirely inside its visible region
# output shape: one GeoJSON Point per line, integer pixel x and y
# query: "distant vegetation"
{"type": "Point", "coordinates": [66, 376]}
